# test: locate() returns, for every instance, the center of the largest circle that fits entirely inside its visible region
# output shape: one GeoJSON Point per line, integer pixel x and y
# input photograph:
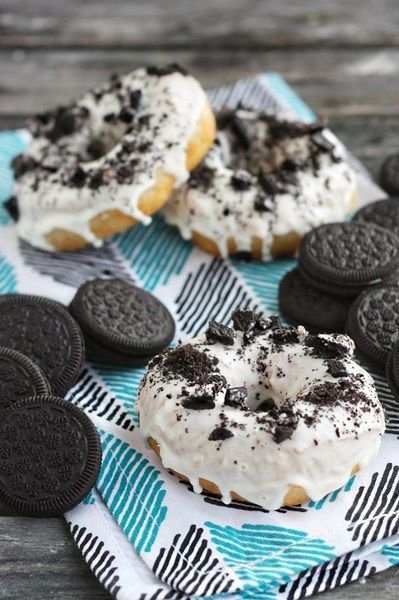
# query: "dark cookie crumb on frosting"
{"type": "Point", "coordinates": [220, 434]}
{"type": "Point", "coordinates": [200, 402]}
{"type": "Point", "coordinates": [188, 363]}
{"type": "Point", "coordinates": [217, 332]}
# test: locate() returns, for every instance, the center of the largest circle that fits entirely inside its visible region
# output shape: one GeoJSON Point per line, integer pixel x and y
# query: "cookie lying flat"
{"type": "Point", "coordinates": [50, 456]}
{"type": "Point", "coordinates": [304, 304]}
{"type": "Point", "coordinates": [43, 330]}
{"type": "Point", "coordinates": [389, 174]}
{"type": "Point", "coordinates": [129, 323]}
{"type": "Point", "coordinates": [383, 212]}
{"type": "Point", "coordinates": [373, 322]}
{"type": "Point", "coordinates": [346, 258]}
{"type": "Point", "coordinates": [20, 377]}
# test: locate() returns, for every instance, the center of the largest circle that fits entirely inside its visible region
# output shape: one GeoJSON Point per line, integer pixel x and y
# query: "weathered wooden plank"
{"type": "Point", "coordinates": [339, 82]}
{"type": "Point", "coordinates": [39, 560]}
{"type": "Point", "coordinates": [218, 23]}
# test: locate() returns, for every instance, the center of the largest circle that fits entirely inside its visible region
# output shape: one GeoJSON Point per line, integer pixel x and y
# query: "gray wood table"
{"type": "Point", "coordinates": [342, 57]}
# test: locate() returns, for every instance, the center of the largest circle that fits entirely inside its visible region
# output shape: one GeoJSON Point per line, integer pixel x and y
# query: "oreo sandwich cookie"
{"type": "Point", "coordinates": [389, 376]}
{"type": "Point", "coordinates": [50, 456]}
{"type": "Point", "coordinates": [123, 319]}
{"type": "Point", "coordinates": [20, 377]}
{"type": "Point", "coordinates": [43, 330]}
{"type": "Point", "coordinates": [384, 213]}
{"type": "Point", "coordinates": [373, 322]}
{"type": "Point", "coordinates": [389, 174]}
{"type": "Point", "coordinates": [346, 258]}
{"type": "Point", "coordinates": [303, 304]}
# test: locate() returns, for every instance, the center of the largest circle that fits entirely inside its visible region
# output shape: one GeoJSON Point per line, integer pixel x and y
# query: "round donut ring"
{"type": "Point", "coordinates": [265, 183]}
{"type": "Point", "coordinates": [112, 158]}
{"type": "Point", "coordinates": [261, 413]}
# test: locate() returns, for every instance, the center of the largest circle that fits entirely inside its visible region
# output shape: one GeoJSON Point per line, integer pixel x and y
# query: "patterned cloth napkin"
{"type": "Point", "coordinates": [144, 533]}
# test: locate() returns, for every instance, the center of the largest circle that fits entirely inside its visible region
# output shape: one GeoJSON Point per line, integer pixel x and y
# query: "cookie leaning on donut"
{"type": "Point", "coordinates": [112, 158]}
{"type": "Point", "coordinates": [260, 412]}
{"type": "Point", "coordinates": [265, 183]}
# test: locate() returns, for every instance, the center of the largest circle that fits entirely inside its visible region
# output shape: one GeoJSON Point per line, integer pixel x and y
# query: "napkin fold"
{"type": "Point", "coordinates": [147, 535]}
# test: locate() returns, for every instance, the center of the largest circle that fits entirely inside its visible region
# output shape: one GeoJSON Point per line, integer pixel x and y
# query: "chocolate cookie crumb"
{"type": "Point", "coordinates": [217, 332]}
{"type": "Point", "coordinates": [203, 402]}
{"type": "Point", "coordinates": [236, 397]}
{"type": "Point", "coordinates": [220, 434]}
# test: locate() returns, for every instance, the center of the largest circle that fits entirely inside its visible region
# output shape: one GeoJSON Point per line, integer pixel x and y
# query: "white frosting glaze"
{"type": "Point", "coordinates": [329, 440]}
{"type": "Point", "coordinates": [220, 212]}
{"type": "Point", "coordinates": [48, 200]}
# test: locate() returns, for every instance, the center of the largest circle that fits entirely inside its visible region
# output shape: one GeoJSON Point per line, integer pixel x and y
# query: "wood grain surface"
{"type": "Point", "coordinates": [342, 57]}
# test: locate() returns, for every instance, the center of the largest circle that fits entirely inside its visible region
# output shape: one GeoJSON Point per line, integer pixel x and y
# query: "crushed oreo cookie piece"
{"type": "Point", "coordinates": [322, 142]}
{"type": "Point", "coordinates": [125, 115]}
{"type": "Point", "coordinates": [96, 148]}
{"type": "Point", "coordinates": [218, 380]}
{"type": "Point", "coordinates": [241, 132]}
{"type": "Point", "coordinates": [217, 332]}
{"type": "Point", "coordinates": [285, 335]}
{"type": "Point", "coordinates": [11, 206]}
{"type": "Point", "coordinates": [202, 177]}
{"type": "Point", "coordinates": [322, 347]}
{"type": "Point", "coordinates": [167, 70]}
{"type": "Point", "coordinates": [241, 181]}
{"type": "Point", "coordinates": [219, 434]}
{"type": "Point", "coordinates": [21, 164]}
{"type": "Point", "coordinates": [267, 184]}
{"type": "Point", "coordinates": [79, 177]}
{"type": "Point", "coordinates": [243, 319]}
{"type": "Point", "coordinates": [201, 402]}
{"type": "Point", "coordinates": [236, 397]}
{"type": "Point", "coordinates": [337, 368]}
{"type": "Point", "coordinates": [135, 99]}
{"type": "Point", "coordinates": [189, 363]}
{"type": "Point", "coordinates": [281, 433]}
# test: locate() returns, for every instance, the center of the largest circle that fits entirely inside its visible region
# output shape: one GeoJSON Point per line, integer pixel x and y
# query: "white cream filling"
{"type": "Point", "coordinates": [175, 103]}
{"type": "Point", "coordinates": [251, 463]}
{"type": "Point", "coordinates": [315, 200]}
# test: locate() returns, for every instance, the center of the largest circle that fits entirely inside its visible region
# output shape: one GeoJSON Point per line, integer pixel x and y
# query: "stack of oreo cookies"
{"type": "Point", "coordinates": [347, 280]}
{"type": "Point", "coordinates": [50, 452]}
{"type": "Point", "coordinates": [122, 324]}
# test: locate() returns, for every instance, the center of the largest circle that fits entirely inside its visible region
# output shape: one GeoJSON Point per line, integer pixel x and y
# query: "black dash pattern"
{"type": "Point", "coordinates": [374, 513]}
{"type": "Point", "coordinates": [100, 560]}
{"type": "Point", "coordinates": [327, 576]}
{"type": "Point", "coordinates": [188, 566]}
{"type": "Point", "coordinates": [95, 398]}
{"type": "Point", "coordinates": [75, 268]}
{"type": "Point", "coordinates": [213, 291]}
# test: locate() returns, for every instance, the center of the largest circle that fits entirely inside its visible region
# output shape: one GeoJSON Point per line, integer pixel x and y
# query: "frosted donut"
{"type": "Point", "coordinates": [267, 414]}
{"type": "Point", "coordinates": [265, 183]}
{"type": "Point", "coordinates": [112, 158]}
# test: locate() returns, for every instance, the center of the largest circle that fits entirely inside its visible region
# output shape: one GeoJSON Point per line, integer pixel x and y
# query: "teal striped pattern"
{"type": "Point", "coordinates": [267, 555]}
{"type": "Point", "coordinates": [263, 279]}
{"type": "Point", "coordinates": [8, 281]}
{"type": "Point", "coordinates": [333, 496]}
{"type": "Point", "coordinates": [154, 253]}
{"type": "Point", "coordinates": [89, 499]}
{"type": "Point", "coordinates": [391, 553]}
{"type": "Point", "coordinates": [133, 491]}
{"type": "Point", "coordinates": [11, 144]}
{"type": "Point", "coordinates": [123, 383]}
{"type": "Point", "coordinates": [285, 92]}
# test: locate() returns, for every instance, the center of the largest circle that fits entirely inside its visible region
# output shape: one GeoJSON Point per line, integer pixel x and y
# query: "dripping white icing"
{"type": "Point", "coordinates": [220, 212]}
{"type": "Point", "coordinates": [321, 452]}
{"type": "Point", "coordinates": [172, 104]}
